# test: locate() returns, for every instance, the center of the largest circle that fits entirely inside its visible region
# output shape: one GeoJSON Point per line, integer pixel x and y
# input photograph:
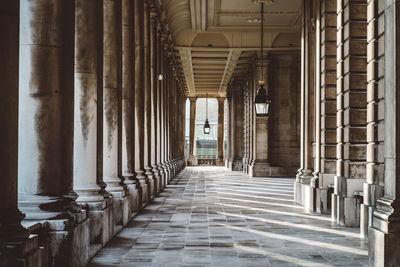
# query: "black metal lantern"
{"type": "Point", "coordinates": [262, 101]}
{"type": "Point", "coordinates": [207, 127]}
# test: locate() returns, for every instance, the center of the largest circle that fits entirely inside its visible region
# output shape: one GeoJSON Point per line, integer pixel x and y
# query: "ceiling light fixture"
{"type": "Point", "coordinates": [253, 20]}
{"type": "Point", "coordinates": [263, 1]}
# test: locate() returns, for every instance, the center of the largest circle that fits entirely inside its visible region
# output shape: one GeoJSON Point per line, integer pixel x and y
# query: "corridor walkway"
{"type": "Point", "coordinates": [209, 216]}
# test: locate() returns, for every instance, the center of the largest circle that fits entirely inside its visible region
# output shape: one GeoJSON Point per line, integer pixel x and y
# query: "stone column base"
{"type": "Point", "coordinates": [135, 193]}
{"type": "Point", "coordinates": [235, 165]}
{"type": "Point", "coordinates": [121, 212]}
{"type": "Point", "coordinates": [220, 162]}
{"type": "Point", "coordinates": [304, 195]}
{"type": "Point", "coordinates": [22, 253]}
{"type": "Point", "coordinates": [346, 210]}
{"type": "Point", "coordinates": [323, 200]}
{"type": "Point", "coordinates": [383, 248]}
{"type": "Point", "coordinates": [101, 224]}
{"type": "Point", "coordinates": [67, 245]}
{"type": "Point", "coordinates": [145, 192]}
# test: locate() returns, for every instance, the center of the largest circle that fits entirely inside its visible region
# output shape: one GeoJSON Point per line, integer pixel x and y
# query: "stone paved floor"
{"type": "Point", "coordinates": [209, 216]}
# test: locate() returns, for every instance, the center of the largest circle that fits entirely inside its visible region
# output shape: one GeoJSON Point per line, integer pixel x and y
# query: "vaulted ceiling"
{"type": "Point", "coordinates": [215, 39]}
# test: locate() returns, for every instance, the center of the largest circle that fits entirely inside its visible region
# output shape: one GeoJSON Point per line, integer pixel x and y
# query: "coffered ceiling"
{"type": "Point", "coordinates": [215, 39]}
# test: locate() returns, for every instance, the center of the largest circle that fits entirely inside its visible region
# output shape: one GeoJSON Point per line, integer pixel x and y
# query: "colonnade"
{"type": "Point", "coordinates": [92, 113]}
{"type": "Point", "coordinates": [349, 106]}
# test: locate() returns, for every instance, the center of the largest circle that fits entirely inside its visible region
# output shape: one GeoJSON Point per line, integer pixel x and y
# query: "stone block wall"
{"type": "Point", "coordinates": [283, 86]}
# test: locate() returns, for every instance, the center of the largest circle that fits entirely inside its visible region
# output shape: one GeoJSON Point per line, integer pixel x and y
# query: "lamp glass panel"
{"type": "Point", "coordinates": [262, 108]}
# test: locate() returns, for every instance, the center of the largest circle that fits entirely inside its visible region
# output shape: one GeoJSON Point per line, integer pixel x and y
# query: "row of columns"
{"type": "Point", "coordinates": [93, 121]}
{"type": "Point", "coordinates": [353, 119]}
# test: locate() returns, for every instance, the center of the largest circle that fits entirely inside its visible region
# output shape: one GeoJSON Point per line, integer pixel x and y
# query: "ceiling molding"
{"type": "Point", "coordinates": [230, 66]}
{"type": "Point", "coordinates": [198, 15]}
{"type": "Point", "coordinates": [186, 60]}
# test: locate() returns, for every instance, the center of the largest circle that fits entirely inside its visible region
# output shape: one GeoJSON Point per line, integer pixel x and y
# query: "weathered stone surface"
{"type": "Point", "coordinates": [209, 216]}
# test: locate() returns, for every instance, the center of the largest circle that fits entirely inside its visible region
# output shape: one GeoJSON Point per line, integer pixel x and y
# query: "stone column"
{"type": "Point", "coordinates": [173, 122]}
{"type": "Point", "coordinates": [154, 98]}
{"type": "Point", "coordinates": [45, 113]}
{"type": "Point", "coordinates": [128, 101]}
{"type": "Point", "coordinates": [85, 101]}
{"type": "Point", "coordinates": [220, 158]}
{"type": "Point", "coordinates": [111, 98]}
{"type": "Point", "coordinates": [15, 239]}
{"type": "Point", "coordinates": [351, 111]}
{"type": "Point", "coordinates": [163, 88]}
{"type": "Point", "coordinates": [384, 234]}
{"type": "Point", "coordinates": [159, 107]}
{"type": "Point", "coordinates": [251, 119]}
{"type": "Point", "coordinates": [168, 120]}
{"type": "Point", "coordinates": [373, 188]}
{"type": "Point", "coordinates": [236, 116]}
{"type": "Point", "coordinates": [246, 101]}
{"type": "Point", "coordinates": [230, 128]}
{"type": "Point", "coordinates": [325, 165]}
{"type": "Point", "coordinates": [147, 100]}
{"type": "Point", "coordinates": [139, 100]}
{"type": "Point", "coordinates": [317, 110]}
{"type": "Point", "coordinates": [304, 174]}
{"type": "Point", "coordinates": [87, 88]}
{"type": "Point", "coordinates": [192, 142]}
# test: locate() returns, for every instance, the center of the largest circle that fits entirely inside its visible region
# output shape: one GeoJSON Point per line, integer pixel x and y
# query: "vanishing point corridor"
{"type": "Point", "coordinates": [209, 216]}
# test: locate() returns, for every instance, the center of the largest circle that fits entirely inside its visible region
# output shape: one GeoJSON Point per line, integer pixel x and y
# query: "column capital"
{"type": "Point", "coordinates": [221, 99]}
{"type": "Point", "coordinates": [192, 98]}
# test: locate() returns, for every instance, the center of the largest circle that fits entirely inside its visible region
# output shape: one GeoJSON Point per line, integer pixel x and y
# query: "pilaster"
{"type": "Point", "coordinates": [384, 234]}
{"type": "Point", "coordinates": [322, 181]}
{"type": "Point", "coordinates": [236, 125]}
{"type": "Point", "coordinates": [220, 141]}
{"type": "Point", "coordinates": [351, 111]}
{"type": "Point", "coordinates": [192, 139]}
{"type": "Point", "coordinates": [304, 174]}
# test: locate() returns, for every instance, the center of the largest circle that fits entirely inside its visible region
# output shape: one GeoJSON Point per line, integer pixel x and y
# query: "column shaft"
{"type": "Point", "coordinates": [128, 103]}
{"type": "Point", "coordinates": [147, 99]}
{"type": "Point", "coordinates": [154, 98]}
{"type": "Point", "coordinates": [303, 188]}
{"type": "Point", "coordinates": [192, 142]}
{"type": "Point", "coordinates": [236, 116]}
{"type": "Point", "coordinates": [85, 100]}
{"type": "Point", "coordinates": [139, 100]}
{"type": "Point", "coordinates": [220, 130]}
{"type": "Point", "coordinates": [112, 88]}
{"type": "Point", "coordinates": [45, 109]}
{"type": "Point", "coordinates": [10, 216]}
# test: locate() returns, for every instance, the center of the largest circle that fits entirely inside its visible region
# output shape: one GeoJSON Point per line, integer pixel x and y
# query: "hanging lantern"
{"type": "Point", "coordinates": [262, 101]}
{"type": "Point", "coordinates": [207, 127]}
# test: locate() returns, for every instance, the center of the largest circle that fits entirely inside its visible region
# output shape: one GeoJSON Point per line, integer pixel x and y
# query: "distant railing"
{"type": "Point", "coordinates": [207, 161]}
